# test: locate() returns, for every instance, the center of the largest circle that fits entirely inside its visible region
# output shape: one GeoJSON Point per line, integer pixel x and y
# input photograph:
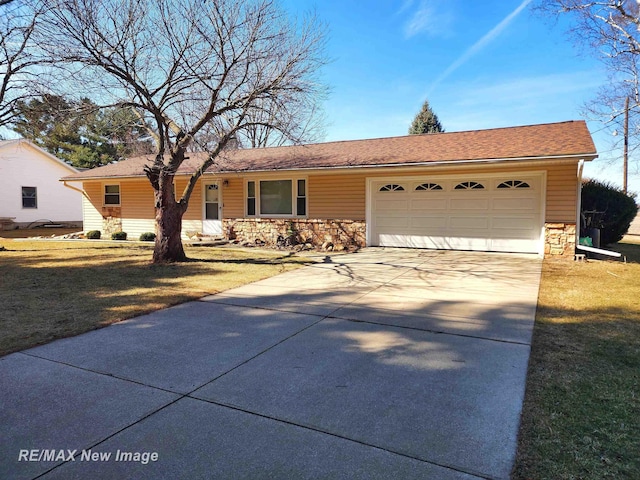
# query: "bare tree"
{"type": "Point", "coordinates": [609, 26]}
{"type": "Point", "coordinates": [611, 29]}
{"type": "Point", "coordinates": [18, 21]}
{"type": "Point", "coordinates": [261, 131]}
{"type": "Point", "coordinates": [193, 69]}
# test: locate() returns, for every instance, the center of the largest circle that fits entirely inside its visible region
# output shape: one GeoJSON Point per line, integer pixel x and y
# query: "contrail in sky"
{"type": "Point", "coordinates": [480, 44]}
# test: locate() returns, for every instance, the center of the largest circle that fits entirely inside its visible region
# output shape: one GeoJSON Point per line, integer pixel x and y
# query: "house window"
{"type": "Point", "coordinates": [29, 197]}
{"type": "Point", "coordinates": [301, 198]}
{"type": "Point", "coordinates": [469, 186]}
{"type": "Point", "coordinates": [428, 186]}
{"type": "Point", "coordinates": [276, 197]}
{"type": "Point", "coordinates": [112, 194]}
{"type": "Point", "coordinates": [514, 184]}
{"type": "Point", "coordinates": [251, 199]}
{"type": "Point", "coordinates": [392, 187]}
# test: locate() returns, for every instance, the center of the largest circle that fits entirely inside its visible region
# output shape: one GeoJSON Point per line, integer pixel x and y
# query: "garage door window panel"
{"type": "Point", "coordinates": [392, 187]}
{"type": "Point", "coordinates": [469, 186]}
{"type": "Point", "coordinates": [424, 187]}
{"type": "Point", "coordinates": [514, 184]}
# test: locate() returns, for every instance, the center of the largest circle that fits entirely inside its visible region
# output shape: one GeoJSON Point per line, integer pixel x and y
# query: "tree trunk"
{"type": "Point", "coordinates": [168, 246]}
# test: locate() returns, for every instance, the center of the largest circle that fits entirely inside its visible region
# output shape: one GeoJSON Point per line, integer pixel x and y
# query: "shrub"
{"type": "Point", "coordinates": [93, 234]}
{"type": "Point", "coordinates": [147, 237]}
{"type": "Point", "coordinates": [616, 210]}
{"type": "Point", "coordinates": [119, 236]}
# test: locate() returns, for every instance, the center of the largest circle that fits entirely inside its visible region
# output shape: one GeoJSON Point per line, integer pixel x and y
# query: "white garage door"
{"type": "Point", "coordinates": [499, 213]}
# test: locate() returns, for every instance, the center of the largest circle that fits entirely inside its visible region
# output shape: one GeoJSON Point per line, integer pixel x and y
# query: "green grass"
{"type": "Point", "coordinates": [581, 414]}
{"type": "Point", "coordinates": [51, 290]}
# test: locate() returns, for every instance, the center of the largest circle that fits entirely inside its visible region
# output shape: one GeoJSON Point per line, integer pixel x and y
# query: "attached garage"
{"type": "Point", "coordinates": [496, 213]}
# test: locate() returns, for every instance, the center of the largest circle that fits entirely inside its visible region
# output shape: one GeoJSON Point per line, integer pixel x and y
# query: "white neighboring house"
{"type": "Point", "coordinates": [30, 187]}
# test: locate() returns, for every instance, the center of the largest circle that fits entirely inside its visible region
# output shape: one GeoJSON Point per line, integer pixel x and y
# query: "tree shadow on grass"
{"type": "Point", "coordinates": [45, 297]}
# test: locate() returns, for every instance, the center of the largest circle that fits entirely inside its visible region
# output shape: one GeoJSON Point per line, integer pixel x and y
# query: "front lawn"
{"type": "Point", "coordinates": [50, 289]}
{"type": "Point", "coordinates": [581, 414]}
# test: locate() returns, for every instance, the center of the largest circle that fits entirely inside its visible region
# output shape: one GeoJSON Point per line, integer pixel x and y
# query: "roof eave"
{"type": "Point", "coordinates": [444, 163]}
{"type": "Point", "coordinates": [543, 159]}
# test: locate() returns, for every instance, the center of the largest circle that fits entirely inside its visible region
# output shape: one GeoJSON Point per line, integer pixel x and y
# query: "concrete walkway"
{"type": "Point", "coordinates": [387, 363]}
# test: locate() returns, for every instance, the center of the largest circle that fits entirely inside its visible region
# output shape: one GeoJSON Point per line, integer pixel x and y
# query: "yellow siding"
{"type": "Point", "coordinates": [331, 195]}
{"type": "Point", "coordinates": [562, 187]}
{"type": "Point", "coordinates": [136, 199]}
{"type": "Point", "coordinates": [233, 198]}
{"type": "Point", "coordinates": [194, 210]}
{"type": "Point", "coordinates": [91, 216]}
{"type": "Point", "coordinates": [337, 196]}
{"type": "Point", "coordinates": [343, 195]}
{"type": "Point", "coordinates": [137, 206]}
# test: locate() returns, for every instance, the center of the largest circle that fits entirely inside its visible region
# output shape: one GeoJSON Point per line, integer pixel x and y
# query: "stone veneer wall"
{"type": "Point", "coordinates": [559, 238]}
{"type": "Point", "coordinates": [111, 220]}
{"type": "Point", "coordinates": [111, 225]}
{"type": "Point", "coordinates": [341, 233]}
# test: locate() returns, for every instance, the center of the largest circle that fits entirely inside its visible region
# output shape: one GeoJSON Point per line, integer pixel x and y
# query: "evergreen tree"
{"type": "Point", "coordinates": [79, 132]}
{"type": "Point", "coordinates": [425, 121]}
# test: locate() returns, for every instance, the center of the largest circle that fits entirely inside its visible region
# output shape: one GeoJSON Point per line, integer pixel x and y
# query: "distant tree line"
{"type": "Point", "coordinates": [79, 132]}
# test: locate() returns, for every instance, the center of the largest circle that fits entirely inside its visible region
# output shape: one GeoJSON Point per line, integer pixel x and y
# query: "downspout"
{"type": "Point", "coordinates": [84, 194]}
{"type": "Point", "coordinates": [579, 202]}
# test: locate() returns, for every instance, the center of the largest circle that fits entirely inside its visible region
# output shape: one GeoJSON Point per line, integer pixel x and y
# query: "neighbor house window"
{"type": "Point", "coordinates": [112, 194]}
{"type": "Point", "coordinates": [276, 197]}
{"type": "Point", "coordinates": [29, 197]}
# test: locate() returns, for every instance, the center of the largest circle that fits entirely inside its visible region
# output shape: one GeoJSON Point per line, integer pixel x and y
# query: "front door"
{"type": "Point", "coordinates": [212, 221]}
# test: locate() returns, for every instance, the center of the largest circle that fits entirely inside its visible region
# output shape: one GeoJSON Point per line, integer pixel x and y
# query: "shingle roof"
{"type": "Point", "coordinates": [565, 139]}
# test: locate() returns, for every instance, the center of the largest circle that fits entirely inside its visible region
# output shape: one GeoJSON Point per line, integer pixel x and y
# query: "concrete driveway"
{"type": "Point", "coordinates": [387, 363]}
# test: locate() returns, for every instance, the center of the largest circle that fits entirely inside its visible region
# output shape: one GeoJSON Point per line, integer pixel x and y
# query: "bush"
{"type": "Point", "coordinates": [147, 237]}
{"type": "Point", "coordinates": [119, 236]}
{"type": "Point", "coordinates": [93, 235]}
{"type": "Point", "coordinates": [616, 210]}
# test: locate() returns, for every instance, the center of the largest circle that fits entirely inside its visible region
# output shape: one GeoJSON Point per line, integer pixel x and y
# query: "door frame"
{"type": "Point", "coordinates": [205, 184]}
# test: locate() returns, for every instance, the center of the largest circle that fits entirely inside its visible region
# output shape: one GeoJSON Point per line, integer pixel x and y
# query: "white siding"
{"type": "Point", "coordinates": [23, 165]}
{"type": "Point", "coordinates": [92, 219]}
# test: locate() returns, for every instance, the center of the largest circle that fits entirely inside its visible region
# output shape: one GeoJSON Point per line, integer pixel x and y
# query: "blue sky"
{"type": "Point", "coordinates": [480, 64]}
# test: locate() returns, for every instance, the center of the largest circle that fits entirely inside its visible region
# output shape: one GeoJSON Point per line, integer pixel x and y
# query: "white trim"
{"type": "Point", "coordinates": [219, 183]}
{"type": "Point", "coordinates": [579, 202]}
{"type": "Point", "coordinates": [294, 196]}
{"type": "Point", "coordinates": [543, 212]}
